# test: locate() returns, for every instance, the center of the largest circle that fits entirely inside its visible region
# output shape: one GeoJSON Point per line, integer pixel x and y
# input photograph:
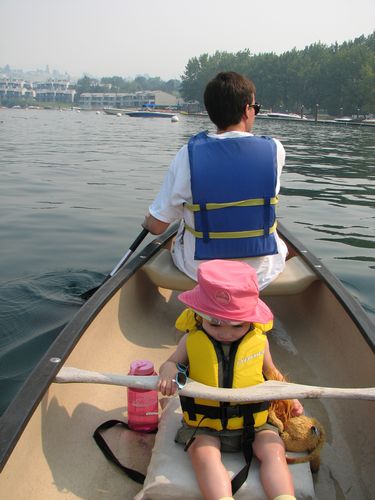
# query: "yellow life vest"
{"type": "Point", "coordinates": [209, 365]}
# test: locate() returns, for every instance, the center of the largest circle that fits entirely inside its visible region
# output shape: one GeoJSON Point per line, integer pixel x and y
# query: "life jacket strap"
{"type": "Point", "coordinates": [234, 234]}
{"type": "Point", "coordinates": [251, 202]}
{"type": "Point", "coordinates": [223, 413]}
{"type": "Point", "coordinates": [248, 436]}
{"type": "Point", "coordinates": [267, 216]}
{"type": "Point", "coordinates": [192, 439]}
{"type": "Point", "coordinates": [205, 227]}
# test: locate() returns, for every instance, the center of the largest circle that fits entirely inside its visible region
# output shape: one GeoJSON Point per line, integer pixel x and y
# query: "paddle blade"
{"type": "Point", "coordinates": [89, 293]}
{"type": "Point", "coordinates": [125, 258]}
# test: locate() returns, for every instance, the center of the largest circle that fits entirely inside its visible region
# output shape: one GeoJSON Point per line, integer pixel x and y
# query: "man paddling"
{"type": "Point", "coordinates": [223, 187]}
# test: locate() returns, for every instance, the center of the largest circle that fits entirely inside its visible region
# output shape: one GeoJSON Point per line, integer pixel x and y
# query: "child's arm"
{"type": "Point", "coordinates": [270, 371]}
{"type": "Point", "coordinates": [168, 370]}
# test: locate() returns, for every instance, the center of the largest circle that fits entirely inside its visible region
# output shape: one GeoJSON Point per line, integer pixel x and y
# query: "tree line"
{"type": "Point", "coordinates": [119, 84]}
{"type": "Point", "coordinates": [339, 78]}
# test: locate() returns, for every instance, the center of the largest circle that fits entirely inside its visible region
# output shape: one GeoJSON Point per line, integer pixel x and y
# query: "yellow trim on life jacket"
{"type": "Point", "coordinates": [264, 327]}
{"type": "Point", "coordinates": [247, 371]}
{"type": "Point", "coordinates": [234, 234]}
{"type": "Point", "coordinates": [186, 321]}
{"type": "Point", "coordinates": [251, 202]}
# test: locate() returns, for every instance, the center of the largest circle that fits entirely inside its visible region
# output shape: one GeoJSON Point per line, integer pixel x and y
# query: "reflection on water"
{"type": "Point", "coordinates": [75, 187]}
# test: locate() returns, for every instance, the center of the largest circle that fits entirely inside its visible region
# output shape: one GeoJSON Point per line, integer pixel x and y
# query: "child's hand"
{"type": "Point", "coordinates": [167, 374]}
{"type": "Point", "coordinates": [297, 408]}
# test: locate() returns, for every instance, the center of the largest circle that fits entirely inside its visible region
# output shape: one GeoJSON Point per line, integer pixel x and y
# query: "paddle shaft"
{"type": "Point", "coordinates": [268, 391]}
{"type": "Point", "coordinates": [125, 257]}
{"type": "Point", "coordinates": [142, 235]}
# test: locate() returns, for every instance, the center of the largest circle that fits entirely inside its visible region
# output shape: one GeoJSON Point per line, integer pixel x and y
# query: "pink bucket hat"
{"type": "Point", "coordinates": [227, 290]}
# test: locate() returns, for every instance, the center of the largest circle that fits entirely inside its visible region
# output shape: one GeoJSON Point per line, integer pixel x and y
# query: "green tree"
{"type": "Point", "coordinates": [87, 84]}
{"type": "Point", "coordinates": [117, 83]}
{"type": "Point", "coordinates": [339, 77]}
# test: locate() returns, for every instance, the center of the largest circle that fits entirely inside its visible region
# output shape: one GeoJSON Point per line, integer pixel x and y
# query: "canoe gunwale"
{"type": "Point", "coordinates": [16, 416]}
{"type": "Point", "coordinates": [349, 303]}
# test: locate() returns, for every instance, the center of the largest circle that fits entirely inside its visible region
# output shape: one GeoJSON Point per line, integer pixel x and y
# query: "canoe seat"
{"type": "Point", "coordinates": [295, 278]}
{"type": "Point", "coordinates": [162, 272]}
{"type": "Point", "coordinates": [170, 474]}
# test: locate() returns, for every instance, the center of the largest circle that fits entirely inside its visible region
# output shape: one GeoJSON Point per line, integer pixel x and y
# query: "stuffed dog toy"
{"type": "Point", "coordinates": [301, 434]}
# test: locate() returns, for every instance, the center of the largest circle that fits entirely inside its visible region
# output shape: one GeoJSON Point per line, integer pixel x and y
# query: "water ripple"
{"type": "Point", "coordinates": [33, 310]}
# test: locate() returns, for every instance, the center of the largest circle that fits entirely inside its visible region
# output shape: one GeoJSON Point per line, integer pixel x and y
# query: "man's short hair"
{"type": "Point", "coordinates": [226, 97]}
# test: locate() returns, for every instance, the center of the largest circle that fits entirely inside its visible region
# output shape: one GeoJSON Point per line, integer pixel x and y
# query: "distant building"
{"type": "Point", "coordinates": [12, 88]}
{"type": "Point", "coordinates": [50, 91]}
{"type": "Point", "coordinates": [192, 107]}
{"type": "Point", "coordinates": [156, 98]}
{"type": "Point", "coordinates": [54, 91]}
{"type": "Point", "coordinates": [47, 95]}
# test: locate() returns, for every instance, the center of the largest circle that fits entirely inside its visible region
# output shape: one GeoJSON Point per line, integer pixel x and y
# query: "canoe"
{"type": "Point", "coordinates": [322, 337]}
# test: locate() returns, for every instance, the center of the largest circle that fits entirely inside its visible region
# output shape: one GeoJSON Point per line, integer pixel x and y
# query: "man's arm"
{"type": "Point", "coordinates": [153, 225]}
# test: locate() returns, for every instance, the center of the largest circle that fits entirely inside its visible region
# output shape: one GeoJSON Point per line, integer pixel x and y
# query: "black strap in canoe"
{"type": "Point", "coordinates": [248, 436]}
{"type": "Point", "coordinates": [100, 441]}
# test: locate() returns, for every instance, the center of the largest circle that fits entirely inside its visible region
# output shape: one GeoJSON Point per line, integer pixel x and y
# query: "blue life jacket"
{"type": "Point", "coordinates": [233, 184]}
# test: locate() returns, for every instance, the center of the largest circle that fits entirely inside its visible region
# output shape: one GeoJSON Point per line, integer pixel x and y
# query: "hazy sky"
{"type": "Point", "coordinates": [158, 37]}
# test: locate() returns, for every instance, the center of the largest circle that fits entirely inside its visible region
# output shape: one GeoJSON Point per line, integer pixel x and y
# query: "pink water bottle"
{"type": "Point", "coordinates": [143, 409]}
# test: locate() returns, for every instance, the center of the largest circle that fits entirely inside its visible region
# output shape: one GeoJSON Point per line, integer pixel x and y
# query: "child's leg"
{"type": "Point", "coordinates": [212, 477]}
{"type": "Point", "coordinates": [274, 472]}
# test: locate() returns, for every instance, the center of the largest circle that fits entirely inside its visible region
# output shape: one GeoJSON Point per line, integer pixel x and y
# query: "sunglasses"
{"type": "Point", "coordinates": [181, 375]}
{"type": "Point", "coordinates": [220, 322]}
{"type": "Point", "coordinates": [256, 107]}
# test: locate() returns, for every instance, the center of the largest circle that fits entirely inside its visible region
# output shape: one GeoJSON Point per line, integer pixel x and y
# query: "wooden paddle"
{"type": "Point", "coordinates": [267, 391]}
{"type": "Point", "coordinates": [142, 235]}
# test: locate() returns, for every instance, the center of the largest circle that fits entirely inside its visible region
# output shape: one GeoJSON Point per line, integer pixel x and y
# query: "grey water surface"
{"type": "Point", "coordinates": [75, 186]}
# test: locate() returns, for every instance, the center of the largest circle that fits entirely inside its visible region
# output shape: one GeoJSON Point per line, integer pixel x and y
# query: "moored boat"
{"type": "Point", "coordinates": [150, 114]}
{"type": "Point", "coordinates": [322, 337]}
{"type": "Point", "coordinates": [368, 121]}
{"type": "Point", "coordinates": [286, 116]}
{"type": "Point", "coordinates": [114, 111]}
{"type": "Point", "coordinates": [197, 114]}
{"type": "Point", "coordinates": [344, 119]}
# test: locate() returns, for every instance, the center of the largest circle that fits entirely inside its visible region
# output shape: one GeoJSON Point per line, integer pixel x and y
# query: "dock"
{"type": "Point", "coordinates": [345, 123]}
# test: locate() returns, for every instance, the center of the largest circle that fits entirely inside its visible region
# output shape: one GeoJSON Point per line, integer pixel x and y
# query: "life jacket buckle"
{"type": "Point", "coordinates": [232, 411]}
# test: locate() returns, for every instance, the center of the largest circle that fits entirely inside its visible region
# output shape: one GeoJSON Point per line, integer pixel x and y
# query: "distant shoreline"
{"type": "Point", "coordinates": [320, 121]}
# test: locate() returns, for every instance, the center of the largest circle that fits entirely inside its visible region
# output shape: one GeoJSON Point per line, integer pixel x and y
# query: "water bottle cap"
{"type": "Point", "coordinates": [141, 367]}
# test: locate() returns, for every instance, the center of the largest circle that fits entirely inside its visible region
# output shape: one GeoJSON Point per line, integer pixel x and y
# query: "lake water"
{"type": "Point", "coordinates": [75, 187]}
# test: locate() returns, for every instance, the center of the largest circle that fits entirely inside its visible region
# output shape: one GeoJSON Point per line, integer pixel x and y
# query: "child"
{"type": "Point", "coordinates": [226, 347]}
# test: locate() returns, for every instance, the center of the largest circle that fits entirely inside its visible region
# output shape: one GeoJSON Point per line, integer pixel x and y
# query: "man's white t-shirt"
{"type": "Point", "coordinates": [168, 207]}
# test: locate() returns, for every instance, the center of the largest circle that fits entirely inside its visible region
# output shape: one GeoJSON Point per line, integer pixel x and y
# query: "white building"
{"type": "Point", "coordinates": [51, 91]}
{"type": "Point", "coordinates": [47, 95]}
{"type": "Point", "coordinates": [127, 100]}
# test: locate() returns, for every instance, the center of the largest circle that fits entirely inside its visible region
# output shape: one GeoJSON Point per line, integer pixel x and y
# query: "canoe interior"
{"type": "Point", "coordinates": [314, 342]}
